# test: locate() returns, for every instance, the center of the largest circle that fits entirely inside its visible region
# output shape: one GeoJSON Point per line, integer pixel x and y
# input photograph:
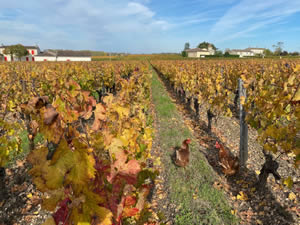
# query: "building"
{"type": "Point", "coordinates": [200, 52]}
{"type": "Point", "coordinates": [247, 52]}
{"type": "Point", "coordinates": [256, 51]}
{"type": "Point", "coordinates": [64, 55]}
{"type": "Point", "coordinates": [241, 52]}
{"type": "Point", "coordinates": [32, 52]}
{"type": "Point", "coordinates": [35, 54]}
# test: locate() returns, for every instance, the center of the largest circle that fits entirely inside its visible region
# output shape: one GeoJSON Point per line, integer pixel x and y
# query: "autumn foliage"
{"type": "Point", "coordinates": [273, 94]}
{"type": "Point", "coordinates": [92, 165]}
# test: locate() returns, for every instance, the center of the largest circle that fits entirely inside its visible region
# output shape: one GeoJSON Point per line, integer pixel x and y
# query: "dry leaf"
{"type": "Point", "coordinates": [29, 196]}
{"type": "Point", "coordinates": [292, 196]}
{"type": "Point", "coordinates": [242, 196]}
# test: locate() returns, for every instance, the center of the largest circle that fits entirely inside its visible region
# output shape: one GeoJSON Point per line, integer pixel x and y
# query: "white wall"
{"type": "Point", "coordinates": [257, 51]}
{"type": "Point", "coordinates": [74, 59]}
{"type": "Point", "coordinates": [242, 54]}
{"type": "Point", "coordinates": [202, 53]}
{"type": "Point", "coordinates": [192, 54]}
{"type": "Point", "coordinates": [45, 58]}
{"type": "Point", "coordinates": [35, 51]}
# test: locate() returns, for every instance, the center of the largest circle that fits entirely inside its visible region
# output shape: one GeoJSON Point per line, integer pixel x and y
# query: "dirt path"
{"type": "Point", "coordinates": [183, 196]}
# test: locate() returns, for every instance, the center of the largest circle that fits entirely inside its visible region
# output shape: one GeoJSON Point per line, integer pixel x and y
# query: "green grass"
{"type": "Point", "coordinates": [191, 188]}
{"type": "Point", "coordinates": [24, 146]}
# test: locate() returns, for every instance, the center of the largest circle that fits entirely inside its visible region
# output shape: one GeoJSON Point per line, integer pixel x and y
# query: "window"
{"type": "Point", "coordinates": [45, 59]}
{"type": "Point", "coordinates": [27, 58]}
{"type": "Point", "coordinates": [32, 52]}
{"type": "Point", "coordinates": [5, 58]}
{"type": "Point", "coordinates": [68, 60]}
{"type": "Point", "coordinates": [32, 58]}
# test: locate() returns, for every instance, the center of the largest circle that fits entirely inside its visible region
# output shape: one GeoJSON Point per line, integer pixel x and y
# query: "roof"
{"type": "Point", "coordinates": [197, 50]}
{"type": "Point", "coordinates": [256, 48]}
{"type": "Point", "coordinates": [47, 53]}
{"type": "Point", "coordinates": [73, 53]}
{"type": "Point", "coordinates": [239, 50]}
{"type": "Point", "coordinates": [65, 53]}
{"type": "Point", "coordinates": [28, 47]}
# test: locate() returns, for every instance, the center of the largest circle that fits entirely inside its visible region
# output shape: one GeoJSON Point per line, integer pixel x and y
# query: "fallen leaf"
{"type": "Point", "coordinates": [233, 212]}
{"type": "Point", "coordinates": [242, 196]}
{"type": "Point", "coordinates": [288, 182]}
{"type": "Point", "coordinates": [29, 196]}
{"type": "Point", "coordinates": [292, 196]}
{"type": "Point", "coordinates": [259, 221]}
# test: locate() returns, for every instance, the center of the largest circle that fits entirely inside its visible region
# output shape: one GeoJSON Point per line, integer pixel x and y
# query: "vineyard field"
{"type": "Point", "coordinates": [86, 132]}
{"type": "Point", "coordinates": [273, 94]}
{"type": "Point", "coordinates": [97, 135]}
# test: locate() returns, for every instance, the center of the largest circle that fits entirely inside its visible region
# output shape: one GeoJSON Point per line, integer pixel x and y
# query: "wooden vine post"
{"type": "Point", "coordinates": [243, 125]}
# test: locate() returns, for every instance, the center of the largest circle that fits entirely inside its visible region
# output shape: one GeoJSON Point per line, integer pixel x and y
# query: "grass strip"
{"type": "Point", "coordinates": [191, 189]}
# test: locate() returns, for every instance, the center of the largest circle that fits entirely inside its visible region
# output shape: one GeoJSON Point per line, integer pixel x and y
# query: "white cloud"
{"type": "Point", "coordinates": [134, 8]}
{"type": "Point", "coordinates": [81, 24]}
{"type": "Point", "coordinates": [250, 15]}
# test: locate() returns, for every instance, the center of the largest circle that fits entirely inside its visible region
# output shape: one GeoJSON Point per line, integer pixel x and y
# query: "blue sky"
{"type": "Point", "coordinates": [150, 26]}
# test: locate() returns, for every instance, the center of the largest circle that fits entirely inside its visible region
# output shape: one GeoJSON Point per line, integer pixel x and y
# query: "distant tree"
{"type": "Point", "coordinates": [226, 54]}
{"type": "Point", "coordinates": [268, 52]}
{"type": "Point", "coordinates": [20, 51]}
{"type": "Point", "coordinates": [17, 50]}
{"type": "Point", "coordinates": [186, 46]}
{"type": "Point", "coordinates": [278, 48]}
{"type": "Point", "coordinates": [9, 51]}
{"type": "Point", "coordinates": [284, 53]}
{"type": "Point", "coordinates": [294, 53]}
{"type": "Point", "coordinates": [206, 44]}
{"type": "Point", "coordinates": [219, 53]}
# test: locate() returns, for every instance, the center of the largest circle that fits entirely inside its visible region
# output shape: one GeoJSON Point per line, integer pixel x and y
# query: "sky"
{"type": "Point", "coordinates": [150, 26]}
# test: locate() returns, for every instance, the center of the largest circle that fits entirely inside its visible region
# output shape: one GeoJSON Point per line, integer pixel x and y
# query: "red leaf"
{"type": "Point", "coordinates": [128, 212]}
{"type": "Point", "coordinates": [62, 213]}
{"type": "Point", "coordinates": [130, 200]}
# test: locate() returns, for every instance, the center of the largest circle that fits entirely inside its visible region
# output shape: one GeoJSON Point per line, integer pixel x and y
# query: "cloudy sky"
{"type": "Point", "coordinates": [150, 26]}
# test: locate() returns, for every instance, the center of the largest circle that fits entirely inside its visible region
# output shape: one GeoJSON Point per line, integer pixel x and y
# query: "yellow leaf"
{"type": "Point", "coordinates": [297, 68]}
{"type": "Point", "coordinates": [29, 196]}
{"type": "Point", "coordinates": [49, 221]}
{"type": "Point", "coordinates": [243, 100]}
{"type": "Point", "coordinates": [257, 172]}
{"type": "Point", "coordinates": [105, 216]}
{"type": "Point", "coordinates": [242, 196]}
{"type": "Point", "coordinates": [288, 182]}
{"type": "Point", "coordinates": [50, 202]}
{"type": "Point", "coordinates": [259, 221]}
{"type": "Point", "coordinates": [297, 96]}
{"type": "Point", "coordinates": [292, 196]}
{"type": "Point", "coordinates": [157, 161]}
{"type": "Point", "coordinates": [291, 80]}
